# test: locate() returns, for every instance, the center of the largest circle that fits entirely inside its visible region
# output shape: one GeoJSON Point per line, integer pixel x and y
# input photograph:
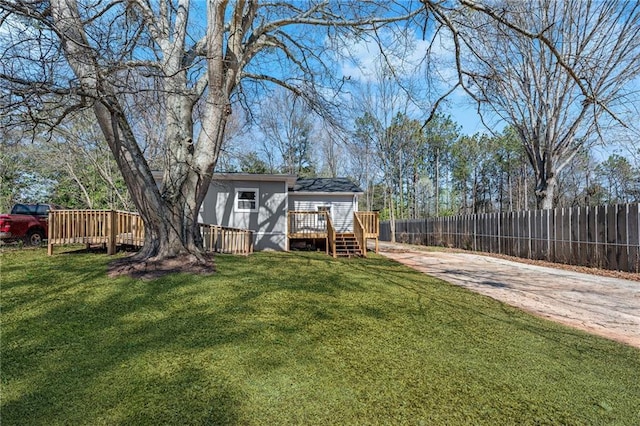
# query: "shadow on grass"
{"type": "Point", "coordinates": [71, 336]}
{"type": "Point", "coordinates": [79, 348]}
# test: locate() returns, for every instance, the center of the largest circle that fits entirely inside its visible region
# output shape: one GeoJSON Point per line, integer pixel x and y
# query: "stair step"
{"type": "Point", "coordinates": [347, 245]}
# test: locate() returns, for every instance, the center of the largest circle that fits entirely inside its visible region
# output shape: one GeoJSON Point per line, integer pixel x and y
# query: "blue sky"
{"type": "Point", "coordinates": [365, 61]}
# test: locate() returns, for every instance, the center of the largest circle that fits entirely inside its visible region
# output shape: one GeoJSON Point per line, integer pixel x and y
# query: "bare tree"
{"type": "Point", "coordinates": [78, 148]}
{"type": "Point", "coordinates": [235, 146]}
{"type": "Point", "coordinates": [332, 153]}
{"type": "Point", "coordinates": [286, 122]}
{"type": "Point", "coordinates": [375, 150]}
{"type": "Point", "coordinates": [620, 179]}
{"type": "Point", "coordinates": [557, 71]}
{"type": "Point", "coordinates": [63, 55]}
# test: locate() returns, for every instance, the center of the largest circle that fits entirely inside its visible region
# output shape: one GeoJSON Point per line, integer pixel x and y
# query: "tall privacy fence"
{"type": "Point", "coordinates": [112, 228]}
{"type": "Point", "coordinates": [606, 237]}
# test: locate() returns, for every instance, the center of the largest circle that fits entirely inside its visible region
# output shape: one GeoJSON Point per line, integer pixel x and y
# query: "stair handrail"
{"type": "Point", "coordinates": [370, 222]}
{"type": "Point", "coordinates": [358, 232]}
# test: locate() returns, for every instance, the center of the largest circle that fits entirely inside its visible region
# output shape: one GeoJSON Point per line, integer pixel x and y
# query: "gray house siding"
{"type": "Point", "coordinates": [342, 207]}
{"type": "Point", "coordinates": [268, 220]}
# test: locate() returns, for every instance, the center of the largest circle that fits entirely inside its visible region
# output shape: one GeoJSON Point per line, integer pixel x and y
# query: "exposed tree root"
{"type": "Point", "coordinates": [157, 267]}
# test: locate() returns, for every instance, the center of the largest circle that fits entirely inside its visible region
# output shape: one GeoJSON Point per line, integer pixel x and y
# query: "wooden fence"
{"type": "Point", "coordinates": [606, 237]}
{"type": "Point", "coordinates": [112, 228]}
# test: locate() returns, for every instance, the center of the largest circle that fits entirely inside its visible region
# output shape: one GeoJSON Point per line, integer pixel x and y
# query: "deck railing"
{"type": "Point", "coordinates": [312, 225]}
{"type": "Point", "coordinates": [370, 223]}
{"type": "Point", "coordinates": [221, 239]}
{"type": "Point", "coordinates": [82, 227]}
{"type": "Point", "coordinates": [129, 229]}
{"type": "Point", "coordinates": [112, 228]}
{"type": "Point", "coordinates": [359, 234]}
{"type": "Point", "coordinates": [308, 224]}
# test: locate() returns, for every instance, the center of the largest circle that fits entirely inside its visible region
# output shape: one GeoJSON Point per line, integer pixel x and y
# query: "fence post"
{"type": "Point", "coordinates": [475, 232]}
{"type": "Point", "coordinates": [500, 223]}
{"type": "Point", "coordinates": [547, 213]}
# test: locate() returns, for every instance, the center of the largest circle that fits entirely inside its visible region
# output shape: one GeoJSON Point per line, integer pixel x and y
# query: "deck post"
{"type": "Point", "coordinates": [50, 234]}
{"type": "Point", "coordinates": [288, 232]}
{"type": "Point", "coordinates": [111, 232]}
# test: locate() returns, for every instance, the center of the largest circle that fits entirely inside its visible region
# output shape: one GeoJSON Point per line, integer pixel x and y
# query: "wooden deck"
{"type": "Point", "coordinates": [310, 225]}
{"type": "Point", "coordinates": [113, 228]}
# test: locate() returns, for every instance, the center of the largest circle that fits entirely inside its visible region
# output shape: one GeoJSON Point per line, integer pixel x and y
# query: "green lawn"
{"type": "Point", "coordinates": [294, 338]}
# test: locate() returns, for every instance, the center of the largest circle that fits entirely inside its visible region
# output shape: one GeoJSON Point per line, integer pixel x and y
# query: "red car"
{"type": "Point", "coordinates": [28, 222]}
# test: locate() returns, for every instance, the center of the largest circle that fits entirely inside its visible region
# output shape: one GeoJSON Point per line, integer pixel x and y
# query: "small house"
{"type": "Point", "coordinates": [284, 211]}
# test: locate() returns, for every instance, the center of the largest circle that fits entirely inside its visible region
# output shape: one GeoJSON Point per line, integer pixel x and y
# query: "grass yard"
{"type": "Point", "coordinates": [290, 338]}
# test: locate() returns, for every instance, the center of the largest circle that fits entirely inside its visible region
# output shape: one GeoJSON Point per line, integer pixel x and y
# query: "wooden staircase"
{"type": "Point", "coordinates": [317, 225]}
{"type": "Point", "coordinates": [347, 245]}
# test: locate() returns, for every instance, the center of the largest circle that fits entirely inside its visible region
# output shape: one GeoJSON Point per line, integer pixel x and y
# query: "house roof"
{"type": "Point", "coordinates": [326, 185]}
{"type": "Point", "coordinates": [290, 179]}
{"type": "Point", "coordinates": [298, 185]}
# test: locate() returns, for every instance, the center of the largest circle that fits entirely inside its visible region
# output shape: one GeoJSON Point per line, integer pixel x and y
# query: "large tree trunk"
{"type": "Point", "coordinates": [545, 191]}
{"type": "Point", "coordinates": [392, 216]}
{"type": "Point", "coordinates": [169, 213]}
{"type": "Point", "coordinates": [437, 181]}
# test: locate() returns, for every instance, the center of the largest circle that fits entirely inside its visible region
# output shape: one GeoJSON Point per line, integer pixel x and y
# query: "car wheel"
{"type": "Point", "coordinates": [35, 237]}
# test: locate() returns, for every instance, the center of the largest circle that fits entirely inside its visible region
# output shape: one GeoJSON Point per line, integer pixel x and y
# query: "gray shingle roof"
{"type": "Point", "coordinates": [326, 185]}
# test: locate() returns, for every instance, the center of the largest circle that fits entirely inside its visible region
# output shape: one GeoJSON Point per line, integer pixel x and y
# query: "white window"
{"type": "Point", "coordinates": [327, 209]}
{"type": "Point", "coordinates": [247, 199]}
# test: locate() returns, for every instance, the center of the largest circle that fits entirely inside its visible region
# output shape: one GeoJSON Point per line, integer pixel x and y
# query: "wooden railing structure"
{"type": "Point", "coordinates": [112, 228]}
{"type": "Point", "coordinates": [318, 225]}
{"type": "Point", "coordinates": [220, 239]}
{"type": "Point", "coordinates": [358, 233]}
{"type": "Point", "coordinates": [371, 225]}
{"type": "Point", "coordinates": [310, 225]}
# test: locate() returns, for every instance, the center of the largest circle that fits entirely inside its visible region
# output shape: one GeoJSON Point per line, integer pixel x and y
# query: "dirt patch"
{"type": "Point", "coordinates": [393, 248]}
{"type": "Point", "coordinates": [582, 269]}
{"type": "Point", "coordinates": [155, 268]}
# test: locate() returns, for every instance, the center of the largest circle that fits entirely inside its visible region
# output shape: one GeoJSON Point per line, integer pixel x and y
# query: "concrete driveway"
{"type": "Point", "coordinates": [608, 307]}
